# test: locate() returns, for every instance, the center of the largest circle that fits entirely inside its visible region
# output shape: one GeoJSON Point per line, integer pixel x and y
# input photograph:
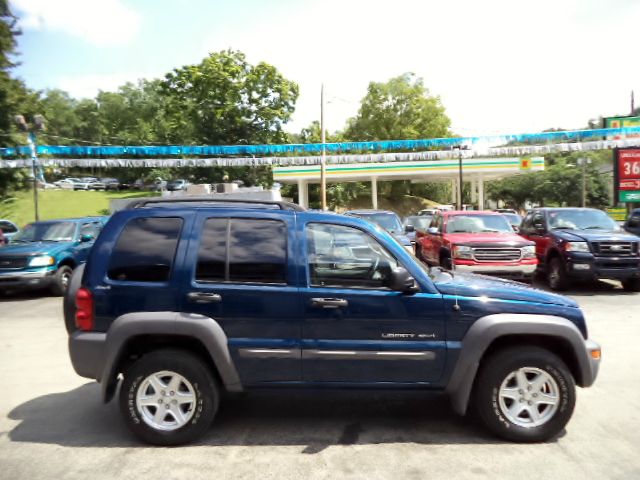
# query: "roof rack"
{"type": "Point", "coordinates": [206, 201]}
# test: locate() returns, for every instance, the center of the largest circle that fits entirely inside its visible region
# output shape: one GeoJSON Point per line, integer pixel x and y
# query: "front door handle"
{"type": "Point", "coordinates": [204, 297]}
{"type": "Point", "coordinates": [329, 303]}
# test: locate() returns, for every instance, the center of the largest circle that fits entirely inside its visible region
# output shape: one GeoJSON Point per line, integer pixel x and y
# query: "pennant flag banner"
{"type": "Point", "coordinates": [391, 145]}
{"type": "Point", "coordinates": [515, 151]}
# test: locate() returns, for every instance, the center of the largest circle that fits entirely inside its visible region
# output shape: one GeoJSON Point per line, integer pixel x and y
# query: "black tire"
{"type": "Point", "coordinates": [491, 408]}
{"type": "Point", "coordinates": [191, 368]}
{"type": "Point", "coordinates": [61, 280]}
{"type": "Point", "coordinates": [631, 284]}
{"type": "Point", "coordinates": [557, 277]}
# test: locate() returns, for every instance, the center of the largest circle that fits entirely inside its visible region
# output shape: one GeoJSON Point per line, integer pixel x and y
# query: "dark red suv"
{"type": "Point", "coordinates": [478, 242]}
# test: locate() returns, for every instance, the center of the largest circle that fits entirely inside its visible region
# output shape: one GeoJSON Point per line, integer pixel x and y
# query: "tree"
{"type": "Point", "coordinates": [401, 108]}
{"type": "Point", "coordinates": [225, 100]}
{"type": "Point", "coordinates": [9, 87]}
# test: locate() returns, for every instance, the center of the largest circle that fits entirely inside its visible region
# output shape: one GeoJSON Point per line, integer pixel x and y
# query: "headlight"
{"type": "Point", "coordinates": [462, 251]}
{"type": "Point", "coordinates": [576, 247]}
{"type": "Point", "coordinates": [529, 251]}
{"type": "Point", "coordinates": [42, 261]}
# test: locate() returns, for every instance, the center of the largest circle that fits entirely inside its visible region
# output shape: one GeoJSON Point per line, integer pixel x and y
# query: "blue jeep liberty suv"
{"type": "Point", "coordinates": [181, 299]}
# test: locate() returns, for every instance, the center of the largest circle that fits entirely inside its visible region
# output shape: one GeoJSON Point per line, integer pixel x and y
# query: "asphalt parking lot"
{"type": "Point", "coordinates": [54, 426]}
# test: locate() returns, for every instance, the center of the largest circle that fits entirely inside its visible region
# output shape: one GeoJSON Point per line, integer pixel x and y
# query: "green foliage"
{"type": "Point", "coordinates": [224, 99]}
{"type": "Point", "coordinates": [401, 108]}
{"type": "Point", "coordinates": [560, 184]}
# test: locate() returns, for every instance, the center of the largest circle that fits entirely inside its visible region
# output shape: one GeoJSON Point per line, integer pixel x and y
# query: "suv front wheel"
{"type": "Point", "coordinates": [168, 397]}
{"type": "Point", "coordinates": [525, 394]}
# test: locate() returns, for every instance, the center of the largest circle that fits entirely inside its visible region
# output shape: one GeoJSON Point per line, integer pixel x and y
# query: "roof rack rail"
{"type": "Point", "coordinates": [204, 200]}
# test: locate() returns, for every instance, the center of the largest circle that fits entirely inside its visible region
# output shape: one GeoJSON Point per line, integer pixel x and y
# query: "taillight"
{"type": "Point", "coordinates": [84, 309]}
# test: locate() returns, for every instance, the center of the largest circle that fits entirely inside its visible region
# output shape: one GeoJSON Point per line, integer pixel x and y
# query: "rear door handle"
{"type": "Point", "coordinates": [329, 303]}
{"type": "Point", "coordinates": [204, 297]}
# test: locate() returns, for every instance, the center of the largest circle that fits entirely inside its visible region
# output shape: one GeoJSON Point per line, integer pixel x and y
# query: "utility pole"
{"type": "Point", "coordinates": [323, 172]}
{"type": "Point", "coordinates": [633, 106]}
{"type": "Point", "coordinates": [38, 121]}
{"type": "Point", "coordinates": [460, 180]}
{"type": "Point", "coordinates": [583, 162]}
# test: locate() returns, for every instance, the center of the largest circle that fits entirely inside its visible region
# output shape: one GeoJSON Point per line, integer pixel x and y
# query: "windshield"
{"type": "Point", "coordinates": [388, 221]}
{"type": "Point", "coordinates": [513, 218]}
{"type": "Point", "coordinates": [478, 224]}
{"type": "Point", "coordinates": [419, 222]}
{"type": "Point", "coordinates": [581, 220]}
{"type": "Point", "coordinates": [47, 232]}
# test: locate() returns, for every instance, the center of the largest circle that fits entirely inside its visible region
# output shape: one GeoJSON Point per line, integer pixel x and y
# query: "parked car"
{"type": "Point", "coordinates": [476, 241]}
{"type": "Point", "coordinates": [177, 184]}
{"type": "Point", "coordinates": [8, 229]}
{"type": "Point", "coordinates": [632, 225]}
{"type": "Point", "coordinates": [243, 296]}
{"type": "Point", "coordinates": [70, 181]}
{"type": "Point", "coordinates": [85, 183]}
{"type": "Point", "coordinates": [582, 243]}
{"type": "Point", "coordinates": [428, 211]}
{"type": "Point", "coordinates": [107, 184]}
{"type": "Point", "coordinates": [43, 254]}
{"type": "Point", "coordinates": [3, 240]}
{"type": "Point", "coordinates": [505, 210]}
{"type": "Point", "coordinates": [416, 222]}
{"type": "Point", "coordinates": [389, 221]}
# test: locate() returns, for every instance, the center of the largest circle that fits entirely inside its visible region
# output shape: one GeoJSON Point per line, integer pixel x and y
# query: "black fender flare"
{"type": "Point", "coordinates": [202, 328]}
{"type": "Point", "coordinates": [487, 329]}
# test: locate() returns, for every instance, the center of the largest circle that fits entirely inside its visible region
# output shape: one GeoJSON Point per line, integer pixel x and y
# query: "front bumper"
{"type": "Point", "coordinates": [26, 278]}
{"type": "Point", "coordinates": [589, 266]}
{"type": "Point", "coordinates": [521, 271]}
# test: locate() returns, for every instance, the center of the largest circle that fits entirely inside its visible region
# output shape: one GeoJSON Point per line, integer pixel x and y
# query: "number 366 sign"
{"type": "Point", "coordinates": [627, 176]}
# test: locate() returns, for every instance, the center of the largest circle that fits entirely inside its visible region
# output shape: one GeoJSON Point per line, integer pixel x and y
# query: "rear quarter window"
{"type": "Point", "coordinates": [145, 250]}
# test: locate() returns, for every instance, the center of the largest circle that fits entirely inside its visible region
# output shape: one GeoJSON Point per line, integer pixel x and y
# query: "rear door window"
{"type": "Point", "coordinates": [145, 250]}
{"type": "Point", "coordinates": [243, 250]}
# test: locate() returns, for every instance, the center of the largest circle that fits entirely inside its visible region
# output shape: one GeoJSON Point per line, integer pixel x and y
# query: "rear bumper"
{"type": "Point", "coordinates": [21, 279]}
{"type": "Point", "coordinates": [88, 353]}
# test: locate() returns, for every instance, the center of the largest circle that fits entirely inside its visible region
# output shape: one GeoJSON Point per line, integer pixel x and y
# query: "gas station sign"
{"type": "Point", "coordinates": [627, 175]}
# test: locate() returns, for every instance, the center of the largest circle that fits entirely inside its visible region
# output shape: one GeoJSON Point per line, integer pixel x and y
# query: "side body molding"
{"type": "Point", "coordinates": [204, 329]}
{"type": "Point", "coordinates": [487, 329]}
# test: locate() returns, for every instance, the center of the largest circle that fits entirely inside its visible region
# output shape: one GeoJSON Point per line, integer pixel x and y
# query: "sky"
{"type": "Point", "coordinates": [499, 66]}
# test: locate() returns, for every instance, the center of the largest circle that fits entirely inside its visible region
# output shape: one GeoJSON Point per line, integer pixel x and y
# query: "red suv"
{"type": "Point", "coordinates": [478, 242]}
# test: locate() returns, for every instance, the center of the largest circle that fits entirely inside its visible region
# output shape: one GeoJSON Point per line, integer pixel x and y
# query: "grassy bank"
{"type": "Point", "coordinates": [60, 204]}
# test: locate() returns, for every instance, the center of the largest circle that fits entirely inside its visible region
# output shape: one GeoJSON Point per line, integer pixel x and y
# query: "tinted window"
{"type": "Point", "coordinates": [212, 255]}
{"type": "Point", "coordinates": [257, 251]}
{"type": "Point", "coordinates": [341, 256]}
{"type": "Point", "coordinates": [145, 250]}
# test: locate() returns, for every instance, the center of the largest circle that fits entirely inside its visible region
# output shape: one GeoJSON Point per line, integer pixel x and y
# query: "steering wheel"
{"type": "Point", "coordinates": [373, 268]}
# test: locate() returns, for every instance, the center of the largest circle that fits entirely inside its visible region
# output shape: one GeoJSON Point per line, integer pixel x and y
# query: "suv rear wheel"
{"type": "Point", "coordinates": [168, 397]}
{"type": "Point", "coordinates": [525, 394]}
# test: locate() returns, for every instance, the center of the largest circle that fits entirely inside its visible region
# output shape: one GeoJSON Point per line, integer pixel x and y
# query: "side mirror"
{"type": "Point", "coordinates": [401, 281]}
{"type": "Point", "coordinates": [409, 228]}
{"type": "Point", "coordinates": [433, 231]}
{"type": "Point", "coordinates": [515, 228]}
{"type": "Point", "coordinates": [86, 238]}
